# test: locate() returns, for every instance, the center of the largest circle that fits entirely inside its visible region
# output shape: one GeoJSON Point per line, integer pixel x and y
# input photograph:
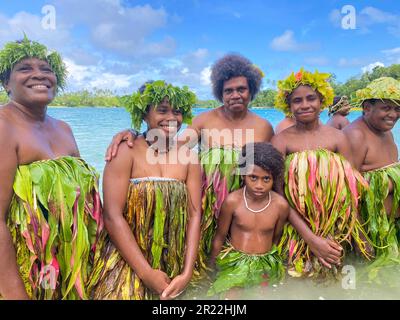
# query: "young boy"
{"type": "Point", "coordinates": [250, 224]}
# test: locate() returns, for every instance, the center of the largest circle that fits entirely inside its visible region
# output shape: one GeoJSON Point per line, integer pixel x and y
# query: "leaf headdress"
{"type": "Point", "coordinates": [384, 88]}
{"type": "Point", "coordinates": [15, 51]}
{"type": "Point", "coordinates": [154, 93]}
{"type": "Point", "coordinates": [317, 81]}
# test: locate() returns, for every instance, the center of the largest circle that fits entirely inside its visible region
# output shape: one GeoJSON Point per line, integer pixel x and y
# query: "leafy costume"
{"type": "Point", "coordinates": [323, 187]}
{"type": "Point", "coordinates": [383, 228]}
{"type": "Point", "coordinates": [157, 212]}
{"type": "Point", "coordinates": [55, 221]}
{"type": "Point", "coordinates": [239, 269]}
{"type": "Point", "coordinates": [220, 177]}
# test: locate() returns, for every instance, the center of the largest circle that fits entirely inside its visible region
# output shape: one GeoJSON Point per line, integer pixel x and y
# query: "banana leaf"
{"type": "Point", "coordinates": [220, 177]}
{"type": "Point", "coordinates": [325, 190]}
{"type": "Point", "coordinates": [55, 222]}
{"type": "Point", "coordinates": [240, 270]}
{"type": "Point", "coordinates": [157, 213]}
{"type": "Point", "coordinates": [382, 227]}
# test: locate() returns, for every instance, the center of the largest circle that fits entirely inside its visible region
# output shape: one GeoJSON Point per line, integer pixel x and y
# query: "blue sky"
{"type": "Point", "coordinates": [119, 44]}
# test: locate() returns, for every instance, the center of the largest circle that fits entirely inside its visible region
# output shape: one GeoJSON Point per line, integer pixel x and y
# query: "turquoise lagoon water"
{"type": "Point", "coordinates": [94, 128]}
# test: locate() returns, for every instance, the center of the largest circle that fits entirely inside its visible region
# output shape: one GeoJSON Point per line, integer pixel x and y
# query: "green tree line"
{"type": "Point", "coordinates": [108, 98]}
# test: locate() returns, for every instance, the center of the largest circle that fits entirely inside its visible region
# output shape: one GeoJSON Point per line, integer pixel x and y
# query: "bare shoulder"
{"type": "Point", "coordinates": [260, 122]}
{"type": "Point", "coordinates": [355, 130]}
{"type": "Point", "coordinates": [280, 201]}
{"type": "Point", "coordinates": [6, 124]}
{"type": "Point", "coordinates": [233, 199]}
{"type": "Point", "coordinates": [200, 120]}
{"type": "Point", "coordinates": [60, 125]}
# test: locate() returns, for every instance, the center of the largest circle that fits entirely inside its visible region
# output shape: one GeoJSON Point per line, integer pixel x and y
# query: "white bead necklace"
{"type": "Point", "coordinates": [255, 211]}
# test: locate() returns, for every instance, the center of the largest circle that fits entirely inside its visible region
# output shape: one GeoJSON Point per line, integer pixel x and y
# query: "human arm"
{"type": "Point", "coordinates": [283, 218]}
{"type": "Point", "coordinates": [128, 135]}
{"type": "Point", "coordinates": [223, 225]}
{"type": "Point", "coordinates": [11, 284]}
{"type": "Point", "coordinates": [193, 183]}
{"type": "Point", "coordinates": [117, 174]}
{"type": "Point", "coordinates": [358, 146]}
{"type": "Point", "coordinates": [344, 148]}
{"type": "Point", "coordinates": [327, 251]}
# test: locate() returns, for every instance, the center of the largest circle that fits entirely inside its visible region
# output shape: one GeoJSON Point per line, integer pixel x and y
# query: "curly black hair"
{"type": "Point", "coordinates": [266, 157]}
{"type": "Point", "coordinates": [231, 66]}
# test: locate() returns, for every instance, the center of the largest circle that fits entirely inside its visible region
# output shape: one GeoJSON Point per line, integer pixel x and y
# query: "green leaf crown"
{"type": "Point", "coordinates": [318, 81]}
{"type": "Point", "coordinates": [384, 88]}
{"type": "Point", "coordinates": [179, 98]}
{"type": "Point", "coordinates": [16, 51]}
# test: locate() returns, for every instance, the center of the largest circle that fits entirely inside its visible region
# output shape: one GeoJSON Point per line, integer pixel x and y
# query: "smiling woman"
{"type": "Point", "coordinates": [50, 211]}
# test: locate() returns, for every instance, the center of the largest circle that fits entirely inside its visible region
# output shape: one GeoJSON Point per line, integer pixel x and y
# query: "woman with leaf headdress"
{"type": "Point", "coordinates": [320, 184]}
{"type": "Point", "coordinates": [50, 211]}
{"type": "Point", "coordinates": [151, 203]}
{"type": "Point", "coordinates": [376, 156]}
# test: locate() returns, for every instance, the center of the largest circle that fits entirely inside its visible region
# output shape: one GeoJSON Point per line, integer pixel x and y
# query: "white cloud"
{"type": "Point", "coordinates": [373, 15]}
{"type": "Point", "coordinates": [13, 28]}
{"type": "Point", "coordinates": [89, 77]}
{"type": "Point", "coordinates": [119, 29]}
{"type": "Point", "coordinates": [287, 42]}
{"type": "Point", "coordinates": [368, 17]}
{"type": "Point", "coordinates": [371, 66]}
{"type": "Point", "coordinates": [205, 76]}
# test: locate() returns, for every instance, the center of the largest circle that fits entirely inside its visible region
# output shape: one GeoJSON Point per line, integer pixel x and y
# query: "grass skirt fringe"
{"type": "Point", "coordinates": [157, 214]}
{"type": "Point", "coordinates": [383, 229]}
{"type": "Point", "coordinates": [238, 269]}
{"type": "Point", "coordinates": [220, 177]}
{"type": "Point", "coordinates": [55, 221]}
{"type": "Point", "coordinates": [325, 190]}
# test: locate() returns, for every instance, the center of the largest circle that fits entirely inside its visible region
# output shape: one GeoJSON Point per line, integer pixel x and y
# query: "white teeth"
{"type": "Point", "coordinates": [39, 86]}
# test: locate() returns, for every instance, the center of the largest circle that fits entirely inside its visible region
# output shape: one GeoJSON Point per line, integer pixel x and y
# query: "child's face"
{"type": "Point", "coordinates": [164, 118]}
{"type": "Point", "coordinates": [258, 182]}
{"type": "Point", "coordinates": [305, 104]}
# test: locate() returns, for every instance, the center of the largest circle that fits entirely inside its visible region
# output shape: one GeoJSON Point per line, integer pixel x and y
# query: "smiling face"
{"type": "Point", "coordinates": [258, 182]}
{"type": "Point", "coordinates": [305, 104]}
{"type": "Point", "coordinates": [164, 118]}
{"type": "Point", "coordinates": [236, 94]}
{"type": "Point", "coordinates": [381, 115]}
{"type": "Point", "coordinates": [32, 82]}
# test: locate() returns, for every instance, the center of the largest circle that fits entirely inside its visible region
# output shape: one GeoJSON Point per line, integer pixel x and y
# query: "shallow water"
{"type": "Point", "coordinates": [93, 129]}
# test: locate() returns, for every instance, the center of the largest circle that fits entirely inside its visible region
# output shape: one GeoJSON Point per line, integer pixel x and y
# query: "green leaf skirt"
{"type": "Point", "coordinates": [157, 213]}
{"type": "Point", "coordinates": [55, 220]}
{"type": "Point", "coordinates": [383, 228]}
{"type": "Point", "coordinates": [237, 269]}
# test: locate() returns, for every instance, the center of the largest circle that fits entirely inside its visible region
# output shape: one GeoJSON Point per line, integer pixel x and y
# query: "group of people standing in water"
{"type": "Point", "coordinates": [252, 205]}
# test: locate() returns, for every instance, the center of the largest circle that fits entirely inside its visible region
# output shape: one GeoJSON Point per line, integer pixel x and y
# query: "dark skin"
{"type": "Point", "coordinates": [224, 121]}
{"type": "Point", "coordinates": [134, 163]}
{"type": "Point", "coordinates": [253, 233]}
{"type": "Point", "coordinates": [309, 134]}
{"type": "Point", "coordinates": [339, 120]}
{"type": "Point", "coordinates": [27, 134]}
{"type": "Point", "coordinates": [372, 141]}
{"type": "Point", "coordinates": [284, 124]}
